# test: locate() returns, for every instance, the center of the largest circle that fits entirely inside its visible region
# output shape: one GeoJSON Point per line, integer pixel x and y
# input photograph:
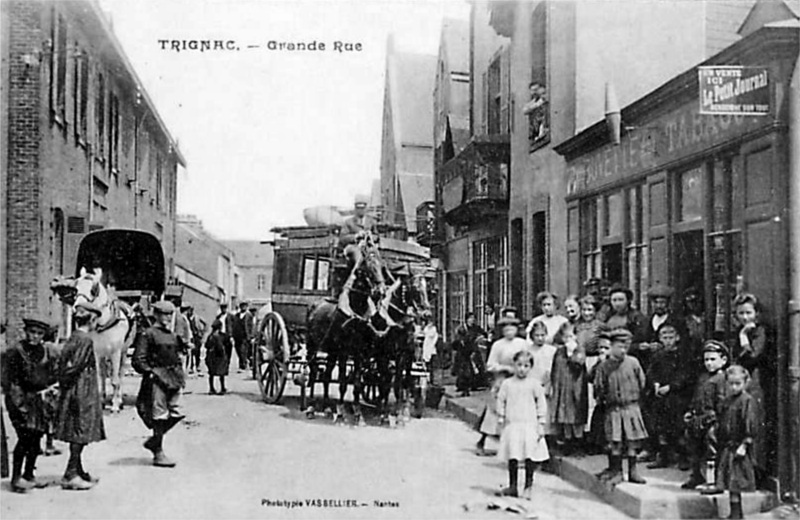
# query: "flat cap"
{"type": "Point", "coordinates": [621, 288]}
{"type": "Point", "coordinates": [661, 291]}
{"type": "Point", "coordinates": [361, 200]}
{"type": "Point", "coordinates": [36, 322]}
{"type": "Point", "coordinates": [713, 345]}
{"type": "Point", "coordinates": [163, 307]}
{"type": "Point", "coordinates": [84, 306]}
{"type": "Point", "coordinates": [620, 335]}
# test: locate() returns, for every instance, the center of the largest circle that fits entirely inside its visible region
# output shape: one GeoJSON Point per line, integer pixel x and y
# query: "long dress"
{"type": "Point", "coordinates": [80, 410]}
{"type": "Point", "coordinates": [569, 398]}
{"type": "Point", "coordinates": [523, 404]}
{"type": "Point", "coordinates": [738, 425]}
{"type": "Point", "coordinates": [500, 357]}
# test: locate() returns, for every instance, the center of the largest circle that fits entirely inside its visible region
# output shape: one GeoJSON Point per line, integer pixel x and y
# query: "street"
{"type": "Point", "coordinates": [240, 458]}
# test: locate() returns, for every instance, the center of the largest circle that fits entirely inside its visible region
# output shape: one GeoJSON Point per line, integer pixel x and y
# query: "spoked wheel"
{"type": "Point", "coordinates": [271, 357]}
{"type": "Point", "coordinates": [370, 384]}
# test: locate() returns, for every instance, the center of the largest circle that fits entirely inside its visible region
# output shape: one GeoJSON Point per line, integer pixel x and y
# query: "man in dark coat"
{"type": "Point", "coordinates": [239, 335]}
{"type": "Point", "coordinates": [468, 364]}
{"type": "Point", "coordinates": [29, 370]}
{"type": "Point", "coordinates": [226, 319]}
{"type": "Point", "coordinates": [156, 358]}
{"type": "Point", "coordinates": [80, 410]}
{"type": "Point", "coordinates": [355, 226]}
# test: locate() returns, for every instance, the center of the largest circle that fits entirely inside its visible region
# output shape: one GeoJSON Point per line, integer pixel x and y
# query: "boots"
{"type": "Point", "coordinates": [529, 469]}
{"type": "Point", "coordinates": [513, 480]}
{"type": "Point", "coordinates": [30, 466]}
{"type": "Point", "coordinates": [736, 511]}
{"type": "Point", "coordinates": [19, 484]}
{"type": "Point", "coordinates": [211, 389]}
{"type": "Point", "coordinates": [633, 473]}
{"type": "Point", "coordinates": [155, 444]}
{"type": "Point", "coordinates": [615, 475]}
{"type": "Point", "coordinates": [603, 475]}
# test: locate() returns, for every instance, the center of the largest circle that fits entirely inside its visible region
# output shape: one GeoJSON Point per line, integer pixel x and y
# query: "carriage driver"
{"type": "Point", "coordinates": [156, 357]}
{"type": "Point", "coordinates": [354, 228]}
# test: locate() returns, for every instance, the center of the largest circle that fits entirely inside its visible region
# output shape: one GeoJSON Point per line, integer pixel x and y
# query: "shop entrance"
{"type": "Point", "coordinates": [689, 262]}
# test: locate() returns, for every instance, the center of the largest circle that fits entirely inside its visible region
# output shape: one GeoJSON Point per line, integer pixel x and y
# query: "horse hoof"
{"type": "Point", "coordinates": [361, 422]}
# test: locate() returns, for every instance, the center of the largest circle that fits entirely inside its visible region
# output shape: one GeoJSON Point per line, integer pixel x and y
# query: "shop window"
{"type": "Point", "coordinates": [759, 177]}
{"type": "Point", "coordinates": [457, 299]}
{"type": "Point", "coordinates": [613, 215]}
{"type": "Point", "coordinates": [492, 274]}
{"type": "Point", "coordinates": [635, 246]}
{"type": "Point", "coordinates": [590, 239]}
{"type": "Point", "coordinates": [658, 203]}
{"type": "Point", "coordinates": [690, 204]}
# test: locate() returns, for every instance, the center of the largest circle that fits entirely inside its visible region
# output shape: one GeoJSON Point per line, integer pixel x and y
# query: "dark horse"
{"type": "Point", "coordinates": [405, 301]}
{"type": "Point", "coordinates": [343, 329]}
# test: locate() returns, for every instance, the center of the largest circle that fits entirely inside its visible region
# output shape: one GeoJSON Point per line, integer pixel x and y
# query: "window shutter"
{"type": "Point", "coordinates": [505, 90]}
{"type": "Point", "coordinates": [484, 102]}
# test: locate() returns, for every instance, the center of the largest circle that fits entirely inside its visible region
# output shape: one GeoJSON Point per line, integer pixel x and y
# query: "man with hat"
{"type": "Point", "coordinates": [226, 319]}
{"type": "Point", "coordinates": [239, 335]}
{"type": "Point", "coordinates": [356, 226]}
{"type": "Point", "coordinates": [156, 358]}
{"type": "Point", "coordinates": [706, 407]}
{"type": "Point", "coordinates": [29, 370]}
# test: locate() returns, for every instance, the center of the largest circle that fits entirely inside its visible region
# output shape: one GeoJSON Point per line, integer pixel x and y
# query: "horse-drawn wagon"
{"type": "Point", "coordinates": [352, 317]}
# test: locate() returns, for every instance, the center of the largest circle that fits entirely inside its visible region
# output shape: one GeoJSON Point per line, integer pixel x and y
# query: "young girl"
{"type": "Point", "coordinates": [569, 396]}
{"type": "Point", "coordinates": [548, 303]}
{"type": "Point", "coordinates": [736, 435]}
{"type": "Point", "coordinates": [216, 359]}
{"type": "Point", "coordinates": [543, 354]}
{"type": "Point", "coordinates": [501, 365]}
{"type": "Point", "coordinates": [619, 384]}
{"type": "Point", "coordinates": [80, 411]}
{"type": "Point", "coordinates": [753, 351]}
{"type": "Point", "coordinates": [521, 410]}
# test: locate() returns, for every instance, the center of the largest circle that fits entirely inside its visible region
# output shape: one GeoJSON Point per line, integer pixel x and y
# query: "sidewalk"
{"type": "Point", "coordinates": [661, 497]}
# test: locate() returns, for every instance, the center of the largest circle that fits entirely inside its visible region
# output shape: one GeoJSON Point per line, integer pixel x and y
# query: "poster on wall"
{"type": "Point", "coordinates": [734, 90]}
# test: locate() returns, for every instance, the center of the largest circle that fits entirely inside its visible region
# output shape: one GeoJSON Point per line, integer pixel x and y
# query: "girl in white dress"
{"type": "Point", "coordinates": [522, 411]}
{"type": "Point", "coordinates": [548, 303]}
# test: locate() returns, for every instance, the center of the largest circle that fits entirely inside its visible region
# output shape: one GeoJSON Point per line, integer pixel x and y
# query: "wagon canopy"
{"type": "Point", "coordinates": [131, 260]}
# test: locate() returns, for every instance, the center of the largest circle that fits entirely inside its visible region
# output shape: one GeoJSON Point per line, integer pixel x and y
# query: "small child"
{"type": "Point", "coordinates": [619, 384]}
{"type": "Point", "coordinates": [737, 432]}
{"type": "Point", "coordinates": [521, 410]}
{"type": "Point", "coordinates": [216, 359]}
{"type": "Point", "coordinates": [706, 407]}
{"type": "Point", "coordinates": [548, 303]}
{"type": "Point", "coordinates": [666, 381]}
{"type": "Point", "coordinates": [597, 435]}
{"type": "Point", "coordinates": [80, 411]}
{"type": "Point", "coordinates": [569, 404]}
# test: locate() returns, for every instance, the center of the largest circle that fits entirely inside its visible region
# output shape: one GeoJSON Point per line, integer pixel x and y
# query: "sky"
{"type": "Point", "coordinates": [267, 133]}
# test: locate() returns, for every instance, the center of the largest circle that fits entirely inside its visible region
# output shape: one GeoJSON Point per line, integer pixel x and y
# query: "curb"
{"type": "Point", "coordinates": [639, 501]}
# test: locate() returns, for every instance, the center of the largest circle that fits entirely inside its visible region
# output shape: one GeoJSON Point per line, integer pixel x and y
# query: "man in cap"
{"type": "Point", "coordinates": [356, 226]}
{"type": "Point", "coordinates": [29, 369]}
{"type": "Point", "coordinates": [240, 335]}
{"type": "Point", "coordinates": [156, 358]}
{"type": "Point", "coordinates": [660, 298]}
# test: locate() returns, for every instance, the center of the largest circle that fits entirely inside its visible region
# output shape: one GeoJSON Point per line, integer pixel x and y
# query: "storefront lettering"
{"type": "Point", "coordinates": [653, 144]}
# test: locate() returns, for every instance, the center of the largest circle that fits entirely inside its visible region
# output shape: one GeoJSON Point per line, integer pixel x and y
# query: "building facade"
{"type": "Point", "coordinates": [254, 261]}
{"type": "Point", "coordinates": [700, 202]}
{"type": "Point", "coordinates": [205, 268]}
{"type": "Point", "coordinates": [85, 148]}
{"type": "Point", "coordinates": [406, 170]}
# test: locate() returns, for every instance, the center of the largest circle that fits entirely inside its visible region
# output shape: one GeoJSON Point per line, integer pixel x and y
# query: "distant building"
{"type": "Point", "coordinates": [206, 268]}
{"type": "Point", "coordinates": [83, 148]}
{"type": "Point", "coordinates": [254, 260]}
{"type": "Point", "coordinates": [407, 143]}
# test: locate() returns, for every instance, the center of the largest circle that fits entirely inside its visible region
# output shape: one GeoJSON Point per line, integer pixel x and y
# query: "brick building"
{"type": "Point", "coordinates": [84, 148]}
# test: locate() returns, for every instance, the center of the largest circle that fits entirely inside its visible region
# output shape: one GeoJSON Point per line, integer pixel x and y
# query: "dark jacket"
{"type": "Point", "coordinates": [634, 321]}
{"type": "Point", "coordinates": [27, 370]}
{"type": "Point", "coordinates": [216, 359]}
{"type": "Point", "coordinates": [80, 410]}
{"type": "Point", "coordinates": [708, 400]}
{"type": "Point", "coordinates": [156, 354]}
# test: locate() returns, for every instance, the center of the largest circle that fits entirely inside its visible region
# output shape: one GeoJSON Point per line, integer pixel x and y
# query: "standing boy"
{"type": "Point", "coordinates": [706, 407]}
{"type": "Point", "coordinates": [156, 358]}
{"type": "Point", "coordinates": [29, 369]}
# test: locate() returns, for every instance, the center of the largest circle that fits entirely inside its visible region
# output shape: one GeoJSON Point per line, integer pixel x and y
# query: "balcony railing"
{"type": "Point", "coordinates": [475, 182]}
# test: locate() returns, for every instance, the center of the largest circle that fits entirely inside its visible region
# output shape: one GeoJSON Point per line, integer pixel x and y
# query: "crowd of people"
{"type": "Point", "coordinates": [599, 377]}
{"type": "Point", "coordinates": [52, 391]}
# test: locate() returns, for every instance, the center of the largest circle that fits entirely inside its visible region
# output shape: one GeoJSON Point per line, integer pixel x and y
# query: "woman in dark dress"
{"type": "Point", "coordinates": [80, 411]}
{"type": "Point", "coordinates": [216, 358]}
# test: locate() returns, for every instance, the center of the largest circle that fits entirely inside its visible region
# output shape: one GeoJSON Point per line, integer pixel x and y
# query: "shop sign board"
{"type": "Point", "coordinates": [734, 90]}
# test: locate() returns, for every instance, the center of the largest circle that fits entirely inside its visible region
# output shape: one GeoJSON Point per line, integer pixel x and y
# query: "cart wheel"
{"type": "Point", "coordinates": [271, 357]}
{"type": "Point", "coordinates": [370, 385]}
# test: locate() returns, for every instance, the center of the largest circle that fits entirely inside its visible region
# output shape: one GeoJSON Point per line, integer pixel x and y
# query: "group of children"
{"type": "Point", "coordinates": [31, 371]}
{"type": "Point", "coordinates": [541, 391]}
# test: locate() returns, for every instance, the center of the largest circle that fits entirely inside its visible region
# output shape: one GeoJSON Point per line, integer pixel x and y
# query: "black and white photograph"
{"type": "Point", "coordinates": [400, 259]}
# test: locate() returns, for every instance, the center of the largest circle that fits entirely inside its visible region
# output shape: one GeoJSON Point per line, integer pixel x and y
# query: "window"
{"type": "Point", "coordinates": [590, 239]}
{"type": "Point", "coordinates": [690, 194]}
{"type": "Point", "coordinates": [159, 180]}
{"type": "Point", "coordinates": [492, 274]}
{"type": "Point", "coordinates": [457, 299]}
{"type": "Point", "coordinates": [323, 272]}
{"type": "Point", "coordinates": [58, 237]}
{"type": "Point", "coordinates": [58, 67]}
{"type": "Point", "coordinates": [724, 247]}
{"type": "Point", "coordinates": [538, 106]}
{"type": "Point", "coordinates": [316, 272]}
{"type": "Point", "coordinates": [100, 117]}
{"type": "Point", "coordinates": [636, 247]}
{"type": "Point", "coordinates": [308, 273]}
{"type": "Point", "coordinates": [81, 95]}
{"type": "Point", "coordinates": [113, 132]}
{"type": "Point", "coordinates": [494, 98]}
{"type": "Point", "coordinates": [261, 282]}
{"type": "Point", "coordinates": [612, 223]}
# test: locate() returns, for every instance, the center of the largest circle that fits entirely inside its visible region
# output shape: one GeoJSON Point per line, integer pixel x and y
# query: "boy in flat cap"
{"type": "Point", "coordinates": [619, 384]}
{"type": "Point", "coordinates": [156, 358]}
{"type": "Point", "coordinates": [29, 370]}
{"type": "Point", "coordinates": [80, 410]}
{"type": "Point", "coordinates": [706, 407]}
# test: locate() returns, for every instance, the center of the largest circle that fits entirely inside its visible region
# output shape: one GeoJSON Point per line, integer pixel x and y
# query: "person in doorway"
{"type": "Point", "coordinates": [501, 365]}
{"type": "Point", "coordinates": [216, 362]}
{"type": "Point", "coordinates": [156, 358]}
{"type": "Point", "coordinates": [29, 369]}
{"type": "Point", "coordinates": [80, 411]}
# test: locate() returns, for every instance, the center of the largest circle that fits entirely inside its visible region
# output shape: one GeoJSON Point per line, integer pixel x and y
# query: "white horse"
{"type": "Point", "coordinates": [113, 334]}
